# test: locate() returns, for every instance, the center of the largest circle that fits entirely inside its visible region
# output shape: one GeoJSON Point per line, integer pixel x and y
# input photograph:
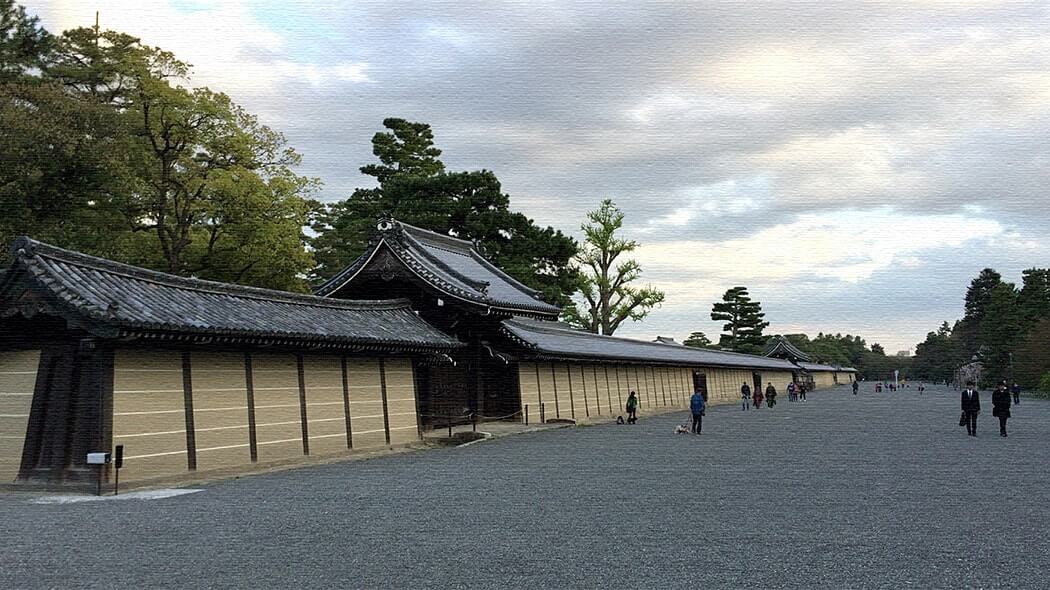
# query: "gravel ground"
{"type": "Point", "coordinates": [873, 491]}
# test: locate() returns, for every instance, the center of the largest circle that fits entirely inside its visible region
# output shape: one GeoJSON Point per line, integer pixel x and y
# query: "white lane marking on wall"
{"type": "Point", "coordinates": [143, 495]}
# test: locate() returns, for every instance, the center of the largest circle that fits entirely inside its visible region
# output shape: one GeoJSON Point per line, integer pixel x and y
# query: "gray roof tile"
{"type": "Point", "coordinates": [450, 265]}
{"type": "Point", "coordinates": [132, 299]}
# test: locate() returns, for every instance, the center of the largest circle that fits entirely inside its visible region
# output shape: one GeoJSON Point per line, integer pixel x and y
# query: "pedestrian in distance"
{"type": "Point", "coordinates": [1001, 406]}
{"type": "Point", "coordinates": [1016, 390]}
{"type": "Point", "coordinates": [756, 398]}
{"type": "Point", "coordinates": [632, 408]}
{"type": "Point", "coordinates": [697, 406]}
{"type": "Point", "coordinates": [802, 391]}
{"type": "Point", "coordinates": [856, 386]}
{"type": "Point", "coordinates": [791, 391]}
{"type": "Point", "coordinates": [971, 406]}
{"type": "Point", "coordinates": [771, 396]}
{"type": "Point", "coordinates": [745, 396]}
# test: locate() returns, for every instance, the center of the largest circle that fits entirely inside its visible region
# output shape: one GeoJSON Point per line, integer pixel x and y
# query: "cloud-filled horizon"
{"type": "Point", "coordinates": [854, 165]}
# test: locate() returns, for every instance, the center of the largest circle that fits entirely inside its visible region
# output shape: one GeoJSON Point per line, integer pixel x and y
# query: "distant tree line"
{"type": "Point", "coordinates": [743, 331]}
{"type": "Point", "coordinates": [1004, 327]}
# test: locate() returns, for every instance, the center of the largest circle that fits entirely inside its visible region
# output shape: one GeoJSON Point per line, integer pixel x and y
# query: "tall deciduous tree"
{"type": "Point", "coordinates": [743, 321]}
{"type": "Point", "coordinates": [605, 277]}
{"type": "Point", "coordinates": [414, 187]}
{"type": "Point", "coordinates": [698, 340]}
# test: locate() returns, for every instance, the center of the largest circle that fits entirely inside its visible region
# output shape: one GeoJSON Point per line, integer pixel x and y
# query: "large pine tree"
{"type": "Point", "coordinates": [743, 321]}
{"type": "Point", "coordinates": [414, 187]}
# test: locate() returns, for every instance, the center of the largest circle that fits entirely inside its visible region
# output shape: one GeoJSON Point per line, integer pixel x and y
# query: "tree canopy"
{"type": "Point", "coordinates": [414, 187]}
{"type": "Point", "coordinates": [111, 152]}
{"type": "Point", "coordinates": [698, 340]}
{"type": "Point", "coordinates": [743, 321]}
{"type": "Point", "coordinates": [1004, 327]}
{"type": "Point", "coordinates": [605, 278]}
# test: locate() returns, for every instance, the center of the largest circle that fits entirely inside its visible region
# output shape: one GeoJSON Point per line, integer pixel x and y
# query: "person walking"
{"type": "Point", "coordinates": [1001, 406]}
{"type": "Point", "coordinates": [696, 404]}
{"type": "Point", "coordinates": [756, 398]}
{"type": "Point", "coordinates": [971, 406]}
{"type": "Point", "coordinates": [802, 391]}
{"type": "Point", "coordinates": [632, 408]}
{"type": "Point", "coordinates": [745, 396]}
{"type": "Point", "coordinates": [1016, 390]}
{"type": "Point", "coordinates": [771, 396]}
{"type": "Point", "coordinates": [856, 386]}
{"type": "Point", "coordinates": [791, 391]}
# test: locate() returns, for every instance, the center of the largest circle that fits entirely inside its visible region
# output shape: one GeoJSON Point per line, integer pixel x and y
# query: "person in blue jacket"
{"type": "Point", "coordinates": [696, 404]}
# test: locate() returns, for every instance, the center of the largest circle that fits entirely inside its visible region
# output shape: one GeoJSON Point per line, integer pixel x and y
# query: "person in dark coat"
{"type": "Point", "coordinates": [696, 405]}
{"type": "Point", "coordinates": [1016, 390]}
{"type": "Point", "coordinates": [632, 408]}
{"type": "Point", "coordinates": [971, 406]}
{"type": "Point", "coordinates": [771, 396]}
{"type": "Point", "coordinates": [745, 396]}
{"type": "Point", "coordinates": [856, 386]}
{"type": "Point", "coordinates": [1001, 406]}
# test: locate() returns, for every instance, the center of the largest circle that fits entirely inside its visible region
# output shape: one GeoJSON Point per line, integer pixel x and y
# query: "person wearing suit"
{"type": "Point", "coordinates": [1001, 406]}
{"type": "Point", "coordinates": [971, 406]}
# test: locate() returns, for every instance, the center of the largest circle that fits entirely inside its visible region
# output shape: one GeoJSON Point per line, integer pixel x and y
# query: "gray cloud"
{"type": "Point", "coordinates": [764, 111]}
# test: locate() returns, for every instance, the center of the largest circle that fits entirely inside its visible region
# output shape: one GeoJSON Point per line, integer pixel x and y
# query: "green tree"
{"type": "Point", "coordinates": [698, 340]}
{"type": "Point", "coordinates": [23, 42]}
{"type": "Point", "coordinates": [605, 278]}
{"type": "Point", "coordinates": [937, 357]}
{"type": "Point", "coordinates": [743, 321]}
{"type": "Point", "coordinates": [1034, 297]}
{"type": "Point", "coordinates": [112, 157]}
{"type": "Point", "coordinates": [978, 297]}
{"type": "Point", "coordinates": [999, 331]}
{"type": "Point", "coordinates": [414, 187]}
{"type": "Point", "coordinates": [1031, 357]}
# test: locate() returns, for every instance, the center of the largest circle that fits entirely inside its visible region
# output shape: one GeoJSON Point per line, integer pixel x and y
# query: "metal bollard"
{"type": "Point", "coordinates": [526, 414]}
{"type": "Point", "coordinates": [543, 415]}
{"type": "Point", "coordinates": [474, 422]}
{"type": "Point", "coordinates": [448, 420]}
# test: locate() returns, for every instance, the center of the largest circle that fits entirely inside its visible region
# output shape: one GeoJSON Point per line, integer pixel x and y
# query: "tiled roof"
{"type": "Point", "coordinates": [550, 340]}
{"type": "Point", "coordinates": [449, 265]}
{"type": "Point", "coordinates": [820, 367]}
{"type": "Point", "coordinates": [778, 346]}
{"type": "Point", "coordinates": [115, 299]}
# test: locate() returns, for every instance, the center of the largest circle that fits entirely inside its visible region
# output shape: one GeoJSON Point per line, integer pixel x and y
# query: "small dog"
{"type": "Point", "coordinates": [619, 420]}
{"type": "Point", "coordinates": [681, 429]}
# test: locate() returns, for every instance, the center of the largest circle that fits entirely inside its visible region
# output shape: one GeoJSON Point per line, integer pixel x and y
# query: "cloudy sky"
{"type": "Point", "coordinates": [854, 166]}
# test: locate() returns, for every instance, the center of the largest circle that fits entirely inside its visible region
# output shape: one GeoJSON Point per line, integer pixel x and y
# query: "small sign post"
{"type": "Point", "coordinates": [100, 459]}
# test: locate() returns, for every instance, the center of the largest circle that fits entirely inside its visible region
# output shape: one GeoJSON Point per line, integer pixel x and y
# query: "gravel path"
{"type": "Point", "coordinates": [873, 491]}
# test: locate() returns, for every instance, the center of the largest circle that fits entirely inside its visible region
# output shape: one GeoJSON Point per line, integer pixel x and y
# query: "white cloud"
{"type": "Point", "coordinates": [229, 47]}
{"type": "Point", "coordinates": [847, 246]}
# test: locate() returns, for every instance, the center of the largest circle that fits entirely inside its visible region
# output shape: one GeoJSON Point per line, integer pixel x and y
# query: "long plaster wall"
{"type": "Point", "coordinates": [177, 412]}
{"type": "Point", "coordinates": [17, 379]}
{"type": "Point", "coordinates": [586, 392]}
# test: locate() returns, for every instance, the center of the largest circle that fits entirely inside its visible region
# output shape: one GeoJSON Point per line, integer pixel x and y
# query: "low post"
{"type": "Point", "coordinates": [526, 414]}
{"type": "Point", "coordinates": [118, 462]}
{"type": "Point", "coordinates": [448, 420]}
{"type": "Point", "coordinates": [543, 415]}
{"type": "Point", "coordinates": [474, 421]}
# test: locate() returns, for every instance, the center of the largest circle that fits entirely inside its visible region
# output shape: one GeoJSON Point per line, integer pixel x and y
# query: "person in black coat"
{"type": "Point", "coordinates": [1001, 406]}
{"type": "Point", "coordinates": [971, 406]}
